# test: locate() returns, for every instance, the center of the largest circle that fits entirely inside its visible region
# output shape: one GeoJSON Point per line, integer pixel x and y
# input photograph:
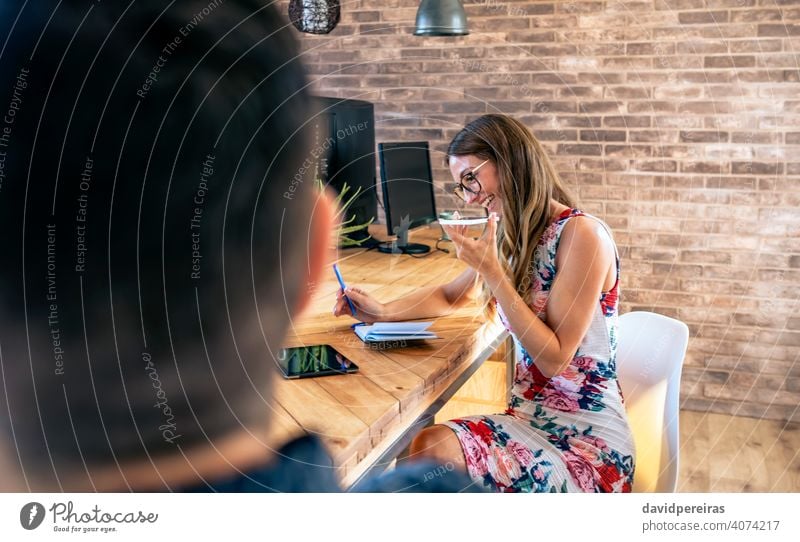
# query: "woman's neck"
{"type": "Point", "coordinates": [556, 208]}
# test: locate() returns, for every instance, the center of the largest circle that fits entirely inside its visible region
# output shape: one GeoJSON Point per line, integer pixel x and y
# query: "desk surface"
{"type": "Point", "coordinates": [365, 417]}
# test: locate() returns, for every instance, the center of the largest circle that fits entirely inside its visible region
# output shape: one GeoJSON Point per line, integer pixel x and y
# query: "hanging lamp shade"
{"type": "Point", "coordinates": [314, 16]}
{"type": "Point", "coordinates": [441, 18]}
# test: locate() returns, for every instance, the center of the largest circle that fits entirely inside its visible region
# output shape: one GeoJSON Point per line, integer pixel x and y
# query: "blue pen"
{"type": "Point", "coordinates": [341, 283]}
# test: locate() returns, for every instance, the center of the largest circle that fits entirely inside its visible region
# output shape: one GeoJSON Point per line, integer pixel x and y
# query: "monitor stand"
{"type": "Point", "coordinates": [401, 244]}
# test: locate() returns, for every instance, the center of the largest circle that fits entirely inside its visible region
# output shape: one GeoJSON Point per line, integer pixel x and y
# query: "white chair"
{"type": "Point", "coordinates": [650, 353]}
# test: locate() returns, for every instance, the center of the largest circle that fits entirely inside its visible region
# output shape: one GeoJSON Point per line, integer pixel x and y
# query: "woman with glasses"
{"type": "Point", "coordinates": [551, 273]}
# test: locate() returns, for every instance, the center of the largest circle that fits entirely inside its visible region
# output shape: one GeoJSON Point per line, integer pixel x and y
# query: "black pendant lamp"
{"type": "Point", "coordinates": [441, 18]}
{"type": "Point", "coordinates": [314, 16]}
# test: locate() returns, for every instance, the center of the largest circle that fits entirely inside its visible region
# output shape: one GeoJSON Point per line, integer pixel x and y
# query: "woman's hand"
{"type": "Point", "coordinates": [368, 309]}
{"type": "Point", "coordinates": [480, 254]}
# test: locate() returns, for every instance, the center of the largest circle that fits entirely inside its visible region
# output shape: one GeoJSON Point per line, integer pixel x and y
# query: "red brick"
{"type": "Point", "coordinates": [365, 16]}
{"type": "Point", "coordinates": [781, 30]}
{"type": "Point", "coordinates": [658, 255]}
{"type": "Point", "coordinates": [557, 21]}
{"type": "Point", "coordinates": [672, 5]}
{"type": "Point", "coordinates": [464, 107]}
{"type": "Point", "coordinates": [376, 29]}
{"type": "Point", "coordinates": [602, 135]}
{"type": "Point", "coordinates": [628, 63]}
{"type": "Point", "coordinates": [590, 93]}
{"type": "Point", "coordinates": [704, 167]}
{"type": "Point", "coordinates": [652, 107]}
{"type": "Point", "coordinates": [417, 53]}
{"type": "Point", "coordinates": [342, 81]}
{"type": "Point", "coordinates": [756, 15]}
{"type": "Point", "coordinates": [760, 76]}
{"type": "Point", "coordinates": [647, 78]}
{"type": "Point", "coordinates": [652, 136]}
{"type": "Point", "coordinates": [627, 122]}
{"type": "Point", "coordinates": [714, 4]}
{"type": "Point", "coordinates": [703, 137]}
{"type": "Point", "coordinates": [508, 107]}
{"type": "Point", "coordinates": [556, 135]}
{"type": "Point", "coordinates": [656, 165]}
{"type": "Point", "coordinates": [756, 46]}
{"type": "Point", "coordinates": [491, 25]}
{"type": "Point", "coordinates": [757, 168]}
{"type": "Point", "coordinates": [586, 150]}
{"type": "Point", "coordinates": [602, 164]}
{"type": "Point", "coordinates": [579, 7]}
{"type": "Point", "coordinates": [730, 61]}
{"type": "Point", "coordinates": [703, 17]}
{"type": "Point", "coordinates": [667, 122]}
{"type": "Point", "coordinates": [600, 107]}
{"type": "Point", "coordinates": [553, 79]}
{"type": "Point", "coordinates": [556, 50]}
{"type": "Point", "coordinates": [529, 36]}
{"type": "Point", "coordinates": [627, 93]}
{"type": "Point", "coordinates": [705, 77]}
{"type": "Point", "coordinates": [583, 121]}
{"type": "Point", "coordinates": [598, 49]}
{"type": "Point", "coordinates": [707, 108]}
{"type": "Point", "coordinates": [422, 107]}
{"type": "Point", "coordinates": [546, 106]}
{"type": "Point", "coordinates": [632, 151]}
{"type": "Point", "coordinates": [685, 62]}
{"type": "Point", "coordinates": [702, 46]}
{"type": "Point", "coordinates": [651, 49]}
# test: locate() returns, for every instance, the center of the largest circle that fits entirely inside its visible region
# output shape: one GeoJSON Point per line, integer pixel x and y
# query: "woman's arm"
{"type": "Point", "coordinates": [584, 257]}
{"type": "Point", "coordinates": [434, 301]}
{"type": "Point", "coordinates": [429, 302]}
{"type": "Point", "coordinates": [585, 254]}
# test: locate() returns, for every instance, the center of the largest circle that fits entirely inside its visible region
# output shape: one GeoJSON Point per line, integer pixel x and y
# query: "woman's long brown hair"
{"type": "Point", "coordinates": [528, 181]}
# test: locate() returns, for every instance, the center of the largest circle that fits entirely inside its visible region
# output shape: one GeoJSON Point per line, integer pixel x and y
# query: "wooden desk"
{"type": "Point", "coordinates": [367, 418]}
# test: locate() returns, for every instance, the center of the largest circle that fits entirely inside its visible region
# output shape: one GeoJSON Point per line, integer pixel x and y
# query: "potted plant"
{"type": "Point", "coordinates": [345, 226]}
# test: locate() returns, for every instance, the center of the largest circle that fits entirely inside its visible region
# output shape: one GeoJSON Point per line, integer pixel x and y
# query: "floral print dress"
{"type": "Point", "coordinates": [568, 433]}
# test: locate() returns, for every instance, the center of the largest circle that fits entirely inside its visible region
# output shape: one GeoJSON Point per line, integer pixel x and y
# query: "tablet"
{"type": "Point", "coordinates": [310, 361]}
{"type": "Point", "coordinates": [463, 221]}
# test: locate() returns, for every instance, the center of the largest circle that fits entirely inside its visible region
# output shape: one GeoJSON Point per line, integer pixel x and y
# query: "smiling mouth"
{"type": "Point", "coordinates": [487, 201]}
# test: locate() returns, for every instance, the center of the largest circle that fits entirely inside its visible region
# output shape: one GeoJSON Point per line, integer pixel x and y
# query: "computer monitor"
{"type": "Point", "coordinates": [343, 152]}
{"type": "Point", "coordinates": [407, 184]}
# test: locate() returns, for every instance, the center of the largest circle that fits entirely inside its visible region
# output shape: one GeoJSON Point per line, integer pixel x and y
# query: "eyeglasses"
{"type": "Point", "coordinates": [469, 183]}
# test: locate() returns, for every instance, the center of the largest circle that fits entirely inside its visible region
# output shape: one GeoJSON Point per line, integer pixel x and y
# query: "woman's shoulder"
{"type": "Point", "coordinates": [585, 234]}
{"type": "Point", "coordinates": [575, 222]}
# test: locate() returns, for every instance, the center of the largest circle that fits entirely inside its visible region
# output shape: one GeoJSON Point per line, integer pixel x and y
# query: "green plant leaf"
{"type": "Point", "coordinates": [346, 227]}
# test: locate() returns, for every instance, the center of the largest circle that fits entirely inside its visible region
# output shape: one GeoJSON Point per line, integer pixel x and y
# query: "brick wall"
{"type": "Point", "coordinates": [676, 121]}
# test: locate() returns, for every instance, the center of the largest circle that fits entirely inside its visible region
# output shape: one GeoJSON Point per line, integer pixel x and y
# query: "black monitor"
{"type": "Point", "coordinates": [343, 152]}
{"type": "Point", "coordinates": [408, 199]}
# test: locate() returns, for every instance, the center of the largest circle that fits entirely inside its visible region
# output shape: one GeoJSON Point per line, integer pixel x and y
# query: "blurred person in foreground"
{"type": "Point", "coordinates": [152, 259]}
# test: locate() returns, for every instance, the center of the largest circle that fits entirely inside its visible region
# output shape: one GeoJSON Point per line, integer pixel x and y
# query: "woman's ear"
{"type": "Point", "coordinates": [320, 250]}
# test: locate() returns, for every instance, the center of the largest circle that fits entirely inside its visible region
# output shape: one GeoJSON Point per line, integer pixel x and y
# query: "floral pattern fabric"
{"type": "Point", "coordinates": [568, 433]}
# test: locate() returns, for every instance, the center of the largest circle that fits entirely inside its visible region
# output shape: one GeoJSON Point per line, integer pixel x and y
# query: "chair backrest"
{"type": "Point", "coordinates": [650, 353]}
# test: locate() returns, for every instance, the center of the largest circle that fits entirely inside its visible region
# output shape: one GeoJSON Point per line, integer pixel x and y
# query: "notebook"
{"type": "Point", "coordinates": [394, 331]}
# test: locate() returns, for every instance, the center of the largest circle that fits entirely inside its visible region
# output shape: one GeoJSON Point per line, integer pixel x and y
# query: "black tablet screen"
{"type": "Point", "coordinates": [307, 361]}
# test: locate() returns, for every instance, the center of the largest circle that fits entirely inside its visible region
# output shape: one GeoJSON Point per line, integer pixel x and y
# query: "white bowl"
{"type": "Point", "coordinates": [463, 221]}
